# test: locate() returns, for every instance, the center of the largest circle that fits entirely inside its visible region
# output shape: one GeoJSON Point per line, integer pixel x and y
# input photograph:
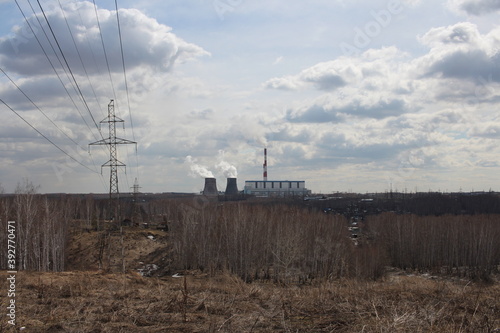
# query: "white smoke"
{"type": "Point", "coordinates": [227, 169]}
{"type": "Point", "coordinates": [197, 170]}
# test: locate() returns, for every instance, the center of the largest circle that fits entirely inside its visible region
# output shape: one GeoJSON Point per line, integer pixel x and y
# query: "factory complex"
{"type": "Point", "coordinates": [260, 188]}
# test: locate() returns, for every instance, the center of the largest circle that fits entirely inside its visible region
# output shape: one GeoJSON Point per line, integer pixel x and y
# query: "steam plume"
{"type": "Point", "coordinates": [227, 169]}
{"type": "Point", "coordinates": [197, 170]}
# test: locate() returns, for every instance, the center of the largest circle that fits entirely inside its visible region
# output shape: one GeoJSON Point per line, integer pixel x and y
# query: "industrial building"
{"type": "Point", "coordinates": [210, 188]}
{"type": "Point", "coordinates": [276, 188]}
{"type": "Point", "coordinates": [231, 187]}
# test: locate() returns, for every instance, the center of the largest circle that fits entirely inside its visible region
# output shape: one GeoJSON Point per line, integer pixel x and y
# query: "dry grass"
{"type": "Point", "coordinates": [87, 299]}
{"type": "Point", "coordinates": [95, 250]}
{"type": "Point", "coordinates": [97, 302]}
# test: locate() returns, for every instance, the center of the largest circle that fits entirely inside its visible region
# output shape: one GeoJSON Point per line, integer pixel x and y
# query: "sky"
{"type": "Point", "coordinates": [359, 96]}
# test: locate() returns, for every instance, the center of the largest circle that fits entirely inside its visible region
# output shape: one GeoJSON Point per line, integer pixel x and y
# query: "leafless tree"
{"type": "Point", "coordinates": [41, 228]}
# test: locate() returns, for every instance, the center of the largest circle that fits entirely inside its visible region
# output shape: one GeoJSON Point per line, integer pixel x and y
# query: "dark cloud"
{"type": "Point", "coordinates": [314, 114]}
{"type": "Point", "coordinates": [322, 114]}
{"type": "Point", "coordinates": [285, 135]}
{"type": "Point", "coordinates": [460, 34]}
{"type": "Point", "coordinates": [474, 64]}
{"type": "Point", "coordinates": [488, 130]}
{"type": "Point", "coordinates": [337, 148]}
{"type": "Point", "coordinates": [480, 7]}
{"type": "Point", "coordinates": [19, 133]}
{"type": "Point", "coordinates": [488, 164]}
{"type": "Point", "coordinates": [202, 114]}
{"type": "Point", "coordinates": [290, 154]}
{"type": "Point", "coordinates": [41, 90]}
{"type": "Point", "coordinates": [327, 82]}
{"type": "Point", "coordinates": [325, 76]}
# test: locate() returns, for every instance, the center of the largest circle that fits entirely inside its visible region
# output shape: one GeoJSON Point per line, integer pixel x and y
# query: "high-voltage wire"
{"type": "Point", "coordinates": [80, 56]}
{"type": "Point", "coordinates": [36, 106]}
{"type": "Point", "coordinates": [45, 137]}
{"type": "Point", "coordinates": [50, 61]}
{"type": "Point", "coordinates": [69, 68]}
{"type": "Point", "coordinates": [126, 83]}
{"type": "Point", "coordinates": [46, 116]}
{"type": "Point", "coordinates": [58, 76]}
{"type": "Point", "coordinates": [71, 77]}
{"type": "Point", "coordinates": [104, 49]}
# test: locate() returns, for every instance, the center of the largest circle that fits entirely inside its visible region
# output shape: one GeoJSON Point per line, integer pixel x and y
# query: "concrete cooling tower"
{"type": "Point", "coordinates": [232, 187]}
{"type": "Point", "coordinates": [210, 187]}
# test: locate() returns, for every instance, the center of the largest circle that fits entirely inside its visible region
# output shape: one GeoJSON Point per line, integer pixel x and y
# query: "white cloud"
{"type": "Point", "coordinates": [278, 60]}
{"type": "Point", "coordinates": [464, 33]}
{"type": "Point", "coordinates": [343, 71]}
{"type": "Point", "coordinates": [146, 42]}
{"type": "Point", "coordinates": [284, 83]}
{"type": "Point", "coordinates": [460, 51]}
{"type": "Point", "coordinates": [401, 112]}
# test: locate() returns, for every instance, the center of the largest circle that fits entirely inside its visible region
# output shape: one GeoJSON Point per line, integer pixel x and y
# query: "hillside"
{"type": "Point", "coordinates": [88, 299]}
{"type": "Point", "coordinates": [99, 302]}
{"type": "Point", "coordinates": [142, 248]}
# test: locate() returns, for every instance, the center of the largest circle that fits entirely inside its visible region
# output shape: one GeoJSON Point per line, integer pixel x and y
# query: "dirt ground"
{"type": "Point", "coordinates": [142, 248]}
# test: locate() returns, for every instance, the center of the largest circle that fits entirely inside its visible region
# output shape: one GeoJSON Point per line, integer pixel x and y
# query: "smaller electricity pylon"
{"type": "Point", "coordinates": [136, 215]}
{"type": "Point", "coordinates": [113, 163]}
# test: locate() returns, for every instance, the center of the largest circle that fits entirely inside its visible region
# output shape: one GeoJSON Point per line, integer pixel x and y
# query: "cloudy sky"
{"type": "Point", "coordinates": [346, 95]}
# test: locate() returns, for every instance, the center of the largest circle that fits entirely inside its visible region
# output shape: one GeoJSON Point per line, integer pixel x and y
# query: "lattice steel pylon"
{"type": "Point", "coordinates": [113, 163]}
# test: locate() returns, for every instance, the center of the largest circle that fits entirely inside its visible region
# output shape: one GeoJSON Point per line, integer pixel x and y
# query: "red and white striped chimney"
{"type": "Point", "coordinates": [265, 164]}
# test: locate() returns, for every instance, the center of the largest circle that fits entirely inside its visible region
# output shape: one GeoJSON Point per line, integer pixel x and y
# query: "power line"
{"type": "Point", "coordinates": [104, 49]}
{"type": "Point", "coordinates": [69, 68]}
{"type": "Point", "coordinates": [126, 83]}
{"type": "Point", "coordinates": [124, 70]}
{"type": "Point", "coordinates": [52, 65]}
{"type": "Point", "coordinates": [53, 123]}
{"type": "Point", "coordinates": [80, 56]}
{"type": "Point", "coordinates": [89, 45]}
{"type": "Point", "coordinates": [50, 61]}
{"type": "Point", "coordinates": [46, 138]}
{"type": "Point", "coordinates": [36, 106]}
{"type": "Point", "coordinates": [55, 71]}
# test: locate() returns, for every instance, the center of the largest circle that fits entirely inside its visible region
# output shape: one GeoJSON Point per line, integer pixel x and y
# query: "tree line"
{"type": "Point", "coordinates": [466, 245]}
{"type": "Point", "coordinates": [278, 241]}
{"type": "Point", "coordinates": [41, 229]}
{"type": "Point", "coordinates": [290, 243]}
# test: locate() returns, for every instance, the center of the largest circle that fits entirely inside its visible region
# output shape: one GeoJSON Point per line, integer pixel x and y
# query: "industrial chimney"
{"type": "Point", "coordinates": [210, 187]}
{"type": "Point", "coordinates": [232, 187]}
{"type": "Point", "coordinates": [265, 165]}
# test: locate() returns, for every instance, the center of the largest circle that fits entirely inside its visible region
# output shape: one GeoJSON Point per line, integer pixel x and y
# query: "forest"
{"type": "Point", "coordinates": [283, 241]}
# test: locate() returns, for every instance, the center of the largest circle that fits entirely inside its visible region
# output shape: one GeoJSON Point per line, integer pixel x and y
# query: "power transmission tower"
{"type": "Point", "coordinates": [136, 215]}
{"type": "Point", "coordinates": [113, 163]}
{"type": "Point", "coordinates": [136, 188]}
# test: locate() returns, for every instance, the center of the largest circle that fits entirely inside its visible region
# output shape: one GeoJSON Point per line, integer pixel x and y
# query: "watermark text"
{"type": "Point", "coordinates": [11, 273]}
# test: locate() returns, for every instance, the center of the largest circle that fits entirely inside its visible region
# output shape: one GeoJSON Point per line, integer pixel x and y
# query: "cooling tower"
{"type": "Point", "coordinates": [210, 187]}
{"type": "Point", "coordinates": [232, 187]}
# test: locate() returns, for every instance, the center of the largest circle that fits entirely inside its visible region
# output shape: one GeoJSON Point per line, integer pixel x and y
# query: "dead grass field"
{"type": "Point", "coordinates": [85, 301]}
{"type": "Point", "coordinates": [92, 296]}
